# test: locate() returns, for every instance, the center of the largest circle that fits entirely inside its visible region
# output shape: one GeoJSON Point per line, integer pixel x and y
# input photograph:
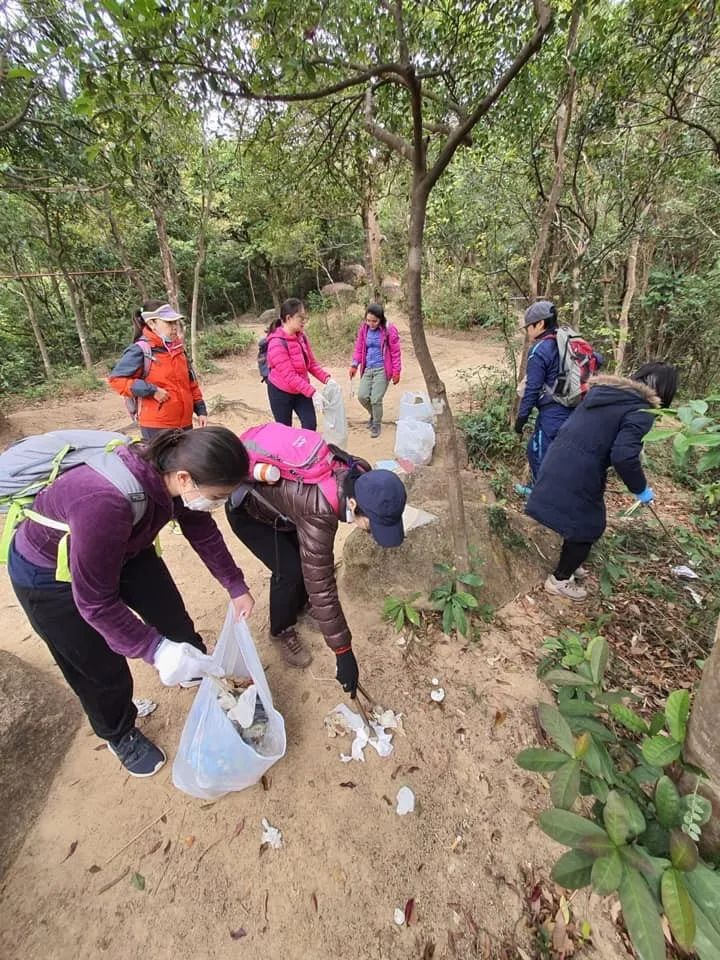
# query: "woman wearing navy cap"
{"type": "Point", "coordinates": [292, 528]}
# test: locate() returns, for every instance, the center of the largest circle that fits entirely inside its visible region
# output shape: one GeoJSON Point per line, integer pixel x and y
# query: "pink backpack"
{"type": "Point", "coordinates": [300, 455]}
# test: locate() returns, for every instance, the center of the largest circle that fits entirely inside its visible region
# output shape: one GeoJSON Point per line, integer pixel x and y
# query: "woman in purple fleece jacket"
{"type": "Point", "coordinates": [90, 624]}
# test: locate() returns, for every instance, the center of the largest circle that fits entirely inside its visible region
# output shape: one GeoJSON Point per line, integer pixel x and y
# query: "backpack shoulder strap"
{"type": "Point", "coordinates": [110, 466]}
{"type": "Point", "coordinates": [147, 353]}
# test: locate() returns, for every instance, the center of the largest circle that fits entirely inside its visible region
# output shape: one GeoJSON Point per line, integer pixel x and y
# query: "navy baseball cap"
{"type": "Point", "coordinates": [542, 310]}
{"type": "Point", "coordinates": [381, 496]}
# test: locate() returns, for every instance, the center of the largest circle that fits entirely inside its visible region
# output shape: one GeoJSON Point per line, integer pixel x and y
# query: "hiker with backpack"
{"type": "Point", "coordinates": [377, 357]}
{"type": "Point", "coordinates": [559, 366]}
{"type": "Point", "coordinates": [155, 375]}
{"type": "Point", "coordinates": [290, 361]}
{"type": "Point", "coordinates": [83, 565]}
{"type": "Point", "coordinates": [605, 431]}
{"type": "Point", "coordinates": [290, 525]}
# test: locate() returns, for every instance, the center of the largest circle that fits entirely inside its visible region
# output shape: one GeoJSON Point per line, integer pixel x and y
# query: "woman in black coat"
{"type": "Point", "coordinates": [606, 430]}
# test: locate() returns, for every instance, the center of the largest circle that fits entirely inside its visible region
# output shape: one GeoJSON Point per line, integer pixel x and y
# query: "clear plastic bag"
{"type": "Point", "coordinates": [414, 441]}
{"type": "Point", "coordinates": [212, 758]}
{"type": "Point", "coordinates": [334, 429]}
{"type": "Point", "coordinates": [416, 406]}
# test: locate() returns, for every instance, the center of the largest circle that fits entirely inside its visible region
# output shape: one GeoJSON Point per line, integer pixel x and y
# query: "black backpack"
{"type": "Point", "coordinates": [262, 360]}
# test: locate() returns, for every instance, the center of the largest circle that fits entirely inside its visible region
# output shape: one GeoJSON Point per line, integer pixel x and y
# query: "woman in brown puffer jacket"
{"type": "Point", "coordinates": [291, 528]}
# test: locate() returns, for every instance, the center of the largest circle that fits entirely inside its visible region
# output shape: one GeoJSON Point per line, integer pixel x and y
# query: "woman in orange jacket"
{"type": "Point", "coordinates": [155, 375]}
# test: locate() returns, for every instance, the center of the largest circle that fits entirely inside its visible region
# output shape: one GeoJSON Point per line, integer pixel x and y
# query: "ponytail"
{"type": "Point", "coordinates": [273, 325]}
{"type": "Point", "coordinates": [138, 325]}
{"type": "Point", "coordinates": [211, 455]}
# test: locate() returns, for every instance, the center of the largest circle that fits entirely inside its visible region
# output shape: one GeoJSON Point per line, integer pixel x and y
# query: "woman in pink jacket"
{"type": "Point", "coordinates": [377, 354]}
{"type": "Point", "coordinates": [290, 363]}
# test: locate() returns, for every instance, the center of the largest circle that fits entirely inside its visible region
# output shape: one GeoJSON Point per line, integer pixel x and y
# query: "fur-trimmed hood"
{"type": "Point", "coordinates": [600, 394]}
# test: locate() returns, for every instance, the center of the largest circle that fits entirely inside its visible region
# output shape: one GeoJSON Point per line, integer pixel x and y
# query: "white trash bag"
{"type": "Point", "coordinates": [212, 758]}
{"type": "Point", "coordinates": [414, 441]}
{"type": "Point", "coordinates": [334, 429]}
{"type": "Point", "coordinates": [416, 406]}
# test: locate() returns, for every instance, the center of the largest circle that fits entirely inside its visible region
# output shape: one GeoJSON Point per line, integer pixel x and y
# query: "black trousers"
{"type": "Point", "coordinates": [283, 405]}
{"type": "Point", "coordinates": [279, 550]}
{"type": "Point", "coordinates": [573, 554]}
{"type": "Point", "coordinates": [100, 677]}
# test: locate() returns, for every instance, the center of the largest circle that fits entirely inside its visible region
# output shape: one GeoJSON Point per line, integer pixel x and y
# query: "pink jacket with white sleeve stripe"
{"type": "Point", "coordinates": [291, 361]}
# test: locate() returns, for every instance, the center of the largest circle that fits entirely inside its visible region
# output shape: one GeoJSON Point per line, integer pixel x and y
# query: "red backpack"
{"type": "Point", "coordinates": [300, 455]}
{"type": "Point", "coordinates": [578, 362]}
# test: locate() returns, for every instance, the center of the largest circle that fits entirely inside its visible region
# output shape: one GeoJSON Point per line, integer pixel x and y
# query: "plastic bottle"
{"type": "Point", "coordinates": [266, 473]}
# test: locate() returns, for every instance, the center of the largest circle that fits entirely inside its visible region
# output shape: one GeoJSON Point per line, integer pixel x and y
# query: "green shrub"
{"type": "Point", "coordinates": [225, 341]}
{"type": "Point", "coordinates": [486, 427]}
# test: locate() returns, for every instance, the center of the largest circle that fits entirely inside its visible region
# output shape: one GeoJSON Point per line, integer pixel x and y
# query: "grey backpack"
{"type": "Point", "coordinates": [30, 465]}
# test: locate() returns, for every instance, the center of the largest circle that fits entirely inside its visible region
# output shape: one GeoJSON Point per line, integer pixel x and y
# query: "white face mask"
{"type": "Point", "coordinates": [204, 503]}
{"type": "Point", "coordinates": [349, 514]}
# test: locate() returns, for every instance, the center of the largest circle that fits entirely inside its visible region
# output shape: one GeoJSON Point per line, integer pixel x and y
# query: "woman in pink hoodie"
{"type": "Point", "coordinates": [377, 354]}
{"type": "Point", "coordinates": [290, 363]}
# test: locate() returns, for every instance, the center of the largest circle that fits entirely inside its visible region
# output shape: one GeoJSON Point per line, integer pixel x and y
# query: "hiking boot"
{"type": "Point", "coordinates": [292, 649]}
{"type": "Point", "coordinates": [139, 756]}
{"type": "Point", "coordinates": [375, 428]}
{"type": "Point", "coordinates": [581, 573]}
{"type": "Point", "coordinates": [565, 588]}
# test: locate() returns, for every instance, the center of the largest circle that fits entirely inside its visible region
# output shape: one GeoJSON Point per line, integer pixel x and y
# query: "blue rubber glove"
{"type": "Point", "coordinates": [647, 496]}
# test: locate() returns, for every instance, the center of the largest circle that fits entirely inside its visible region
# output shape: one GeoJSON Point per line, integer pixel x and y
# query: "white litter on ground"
{"type": "Point", "coordinates": [437, 694]}
{"type": "Point", "coordinates": [405, 801]}
{"type": "Point", "coordinates": [271, 835]}
{"type": "Point", "coordinates": [144, 706]}
{"type": "Point", "coordinates": [342, 720]}
{"type": "Point", "coordinates": [685, 573]}
{"type": "Point", "coordinates": [399, 916]}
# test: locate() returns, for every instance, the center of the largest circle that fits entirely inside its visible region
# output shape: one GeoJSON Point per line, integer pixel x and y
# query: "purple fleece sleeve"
{"type": "Point", "coordinates": [101, 529]}
{"type": "Point", "coordinates": [204, 537]}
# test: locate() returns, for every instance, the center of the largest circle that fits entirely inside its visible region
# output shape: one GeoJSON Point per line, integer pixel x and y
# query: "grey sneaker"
{"type": "Point", "coordinates": [292, 648]}
{"type": "Point", "coordinates": [375, 428]}
{"type": "Point", "coordinates": [139, 756]}
{"type": "Point", "coordinates": [565, 588]}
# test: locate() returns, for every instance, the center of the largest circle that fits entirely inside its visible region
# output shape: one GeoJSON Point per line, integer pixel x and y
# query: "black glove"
{"type": "Point", "coordinates": [520, 425]}
{"type": "Point", "coordinates": [347, 672]}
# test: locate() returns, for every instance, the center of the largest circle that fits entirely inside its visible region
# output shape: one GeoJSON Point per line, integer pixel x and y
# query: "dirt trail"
{"type": "Point", "coordinates": [348, 859]}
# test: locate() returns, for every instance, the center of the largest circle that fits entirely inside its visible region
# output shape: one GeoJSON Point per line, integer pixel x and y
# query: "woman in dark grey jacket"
{"type": "Point", "coordinates": [606, 430]}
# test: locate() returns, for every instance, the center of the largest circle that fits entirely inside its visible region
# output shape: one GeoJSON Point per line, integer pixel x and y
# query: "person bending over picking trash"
{"type": "Point", "coordinates": [89, 623]}
{"type": "Point", "coordinates": [290, 525]}
{"type": "Point", "coordinates": [606, 430]}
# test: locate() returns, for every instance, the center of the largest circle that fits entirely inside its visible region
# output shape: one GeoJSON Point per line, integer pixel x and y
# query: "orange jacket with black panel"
{"type": "Point", "coordinates": [170, 369]}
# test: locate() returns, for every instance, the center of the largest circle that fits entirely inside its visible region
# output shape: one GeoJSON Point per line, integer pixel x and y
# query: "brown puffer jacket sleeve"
{"type": "Point", "coordinates": [316, 524]}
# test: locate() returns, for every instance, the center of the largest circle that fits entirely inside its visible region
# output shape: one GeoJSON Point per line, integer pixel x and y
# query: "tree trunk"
{"type": "Point", "coordinates": [199, 263]}
{"type": "Point", "coordinates": [122, 252]}
{"type": "Point", "coordinates": [371, 230]}
{"type": "Point", "coordinates": [629, 293]}
{"type": "Point", "coordinates": [702, 747]}
{"type": "Point", "coordinates": [252, 289]}
{"type": "Point", "coordinates": [447, 436]}
{"type": "Point", "coordinates": [79, 315]}
{"type": "Point", "coordinates": [170, 276]}
{"type": "Point", "coordinates": [37, 332]}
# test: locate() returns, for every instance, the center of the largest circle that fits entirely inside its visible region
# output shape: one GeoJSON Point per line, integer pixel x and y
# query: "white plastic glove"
{"type": "Point", "coordinates": [318, 401]}
{"type": "Point", "coordinates": [181, 662]}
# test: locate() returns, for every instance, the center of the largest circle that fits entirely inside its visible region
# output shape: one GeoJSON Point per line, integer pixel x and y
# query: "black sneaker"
{"type": "Point", "coordinates": [139, 756]}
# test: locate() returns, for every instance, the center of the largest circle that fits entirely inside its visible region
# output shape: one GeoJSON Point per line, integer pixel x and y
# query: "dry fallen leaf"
{"type": "Point", "coordinates": [239, 827]}
{"type": "Point", "coordinates": [238, 934]}
{"type": "Point", "coordinates": [189, 841]}
{"type": "Point", "coordinates": [266, 781]}
{"type": "Point", "coordinates": [71, 851]}
{"type": "Point", "coordinates": [154, 848]}
{"type": "Point", "coordinates": [500, 718]}
{"type": "Point", "coordinates": [94, 869]}
{"type": "Point", "coordinates": [410, 911]}
{"type": "Point", "coordinates": [313, 898]}
{"type": "Point", "coordinates": [413, 769]}
{"type": "Point", "coordinates": [349, 784]}
{"type": "Point", "coordinates": [163, 818]}
{"type": "Point", "coordinates": [206, 806]}
{"type": "Point", "coordinates": [167, 846]}
{"type": "Point", "coordinates": [429, 951]}
{"type": "Point", "coordinates": [396, 771]}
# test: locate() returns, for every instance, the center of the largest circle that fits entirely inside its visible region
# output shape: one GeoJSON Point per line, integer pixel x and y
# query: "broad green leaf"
{"type": "Point", "coordinates": [582, 745]}
{"type": "Point", "coordinates": [678, 908]}
{"type": "Point", "coordinates": [600, 789]}
{"type": "Point", "coordinates": [607, 873]}
{"type": "Point", "coordinates": [460, 619]}
{"type": "Point", "coordinates": [565, 678]}
{"type": "Point", "coordinates": [667, 803]}
{"type": "Point", "coordinates": [556, 727]}
{"type": "Point", "coordinates": [471, 579]}
{"type": "Point", "coordinates": [467, 600]}
{"type": "Point", "coordinates": [660, 751]}
{"type": "Point", "coordinates": [677, 711]}
{"type": "Point", "coordinates": [598, 762]}
{"type": "Point", "coordinates": [628, 718]}
{"type": "Point", "coordinates": [683, 851]}
{"type": "Point", "coordinates": [657, 723]}
{"type": "Point", "coordinates": [707, 938]}
{"type": "Point", "coordinates": [400, 619]}
{"type": "Point", "coordinates": [616, 818]}
{"type": "Point", "coordinates": [704, 886]}
{"type": "Point", "coordinates": [597, 728]}
{"type": "Point", "coordinates": [448, 619]}
{"type": "Point", "coordinates": [565, 785]}
{"type": "Point", "coordinates": [656, 839]}
{"type": "Point", "coordinates": [641, 917]}
{"type": "Point", "coordinates": [413, 614]}
{"type": "Point", "coordinates": [578, 708]}
{"type": "Point", "coordinates": [569, 828]}
{"type": "Point", "coordinates": [540, 760]}
{"type": "Point", "coordinates": [573, 870]}
{"type": "Point", "coordinates": [598, 653]}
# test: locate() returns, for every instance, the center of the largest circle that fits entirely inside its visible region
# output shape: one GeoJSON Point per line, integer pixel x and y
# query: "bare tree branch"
{"type": "Point", "coordinates": [392, 140]}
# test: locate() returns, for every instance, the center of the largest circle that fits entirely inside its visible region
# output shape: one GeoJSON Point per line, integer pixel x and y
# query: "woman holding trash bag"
{"type": "Point", "coordinates": [607, 429]}
{"type": "Point", "coordinates": [377, 356]}
{"type": "Point", "coordinates": [90, 624]}
{"type": "Point", "coordinates": [290, 362]}
{"type": "Point", "coordinates": [290, 526]}
{"type": "Point", "coordinates": [155, 375]}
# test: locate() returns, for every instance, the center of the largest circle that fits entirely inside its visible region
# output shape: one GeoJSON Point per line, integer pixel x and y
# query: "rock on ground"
{"type": "Point", "coordinates": [342, 292]}
{"type": "Point", "coordinates": [267, 316]}
{"type": "Point", "coordinates": [38, 719]}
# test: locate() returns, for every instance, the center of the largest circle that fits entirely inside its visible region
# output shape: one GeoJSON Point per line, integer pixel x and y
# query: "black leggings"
{"type": "Point", "coordinates": [572, 555]}
{"type": "Point", "coordinates": [100, 677]}
{"type": "Point", "coordinates": [279, 550]}
{"type": "Point", "coordinates": [284, 404]}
